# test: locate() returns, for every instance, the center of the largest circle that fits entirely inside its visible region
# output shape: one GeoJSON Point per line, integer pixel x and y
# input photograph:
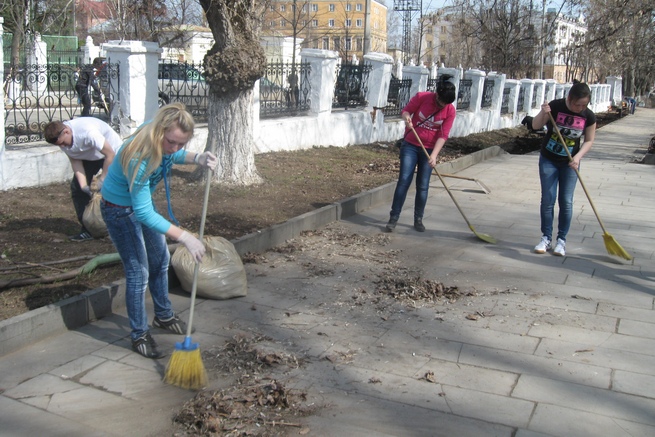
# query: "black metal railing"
{"type": "Point", "coordinates": [504, 106]}
{"type": "Point", "coordinates": [351, 86]}
{"type": "Point", "coordinates": [399, 95]}
{"type": "Point", "coordinates": [488, 93]}
{"type": "Point", "coordinates": [38, 94]}
{"type": "Point", "coordinates": [284, 89]}
{"type": "Point", "coordinates": [464, 94]}
{"type": "Point", "coordinates": [534, 103]}
{"type": "Point", "coordinates": [432, 83]}
{"type": "Point", "coordinates": [521, 100]}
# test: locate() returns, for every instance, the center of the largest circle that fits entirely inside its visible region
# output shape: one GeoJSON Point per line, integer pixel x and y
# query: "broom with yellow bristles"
{"type": "Point", "coordinates": [611, 245]}
{"type": "Point", "coordinates": [185, 369]}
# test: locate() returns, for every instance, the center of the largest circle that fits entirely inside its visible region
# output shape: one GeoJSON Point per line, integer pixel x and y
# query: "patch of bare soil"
{"type": "Point", "coordinates": [35, 222]}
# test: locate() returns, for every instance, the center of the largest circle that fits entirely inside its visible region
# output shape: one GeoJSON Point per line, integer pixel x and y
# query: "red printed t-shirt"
{"type": "Point", "coordinates": [422, 106]}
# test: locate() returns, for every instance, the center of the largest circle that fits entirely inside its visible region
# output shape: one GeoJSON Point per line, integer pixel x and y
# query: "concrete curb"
{"type": "Point", "coordinates": [77, 311]}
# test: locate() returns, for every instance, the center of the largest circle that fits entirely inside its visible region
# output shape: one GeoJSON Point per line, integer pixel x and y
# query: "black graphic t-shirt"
{"type": "Point", "coordinates": [570, 125]}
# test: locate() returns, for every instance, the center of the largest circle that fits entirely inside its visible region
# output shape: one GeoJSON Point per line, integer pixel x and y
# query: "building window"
{"type": "Point", "coordinates": [360, 44]}
{"type": "Point", "coordinates": [272, 23]}
{"type": "Point", "coordinates": [271, 8]}
{"type": "Point", "coordinates": [304, 8]}
{"type": "Point", "coordinates": [358, 8]}
{"type": "Point", "coordinates": [349, 23]}
{"type": "Point", "coordinates": [314, 8]}
{"type": "Point", "coordinates": [375, 24]}
{"type": "Point", "coordinates": [326, 43]}
{"type": "Point", "coordinates": [331, 23]}
{"type": "Point", "coordinates": [283, 23]}
{"type": "Point", "coordinates": [304, 23]}
{"type": "Point", "coordinates": [331, 7]}
{"type": "Point", "coordinates": [348, 7]}
{"type": "Point", "coordinates": [314, 23]}
{"type": "Point", "coordinates": [336, 43]}
{"type": "Point", "coordinates": [358, 22]}
{"type": "Point", "coordinates": [349, 43]}
{"type": "Point", "coordinates": [283, 8]}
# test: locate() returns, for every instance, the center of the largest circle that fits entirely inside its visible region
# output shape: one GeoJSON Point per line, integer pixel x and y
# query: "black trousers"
{"type": "Point", "coordinates": [80, 198]}
{"type": "Point", "coordinates": [83, 92]}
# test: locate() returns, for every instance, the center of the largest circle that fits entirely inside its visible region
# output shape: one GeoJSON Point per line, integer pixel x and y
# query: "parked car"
{"type": "Point", "coordinates": [182, 82]}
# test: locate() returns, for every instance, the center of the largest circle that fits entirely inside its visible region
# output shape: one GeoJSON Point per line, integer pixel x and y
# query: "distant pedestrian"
{"type": "Point", "coordinates": [85, 79]}
{"type": "Point", "coordinates": [556, 172]}
{"type": "Point", "coordinates": [136, 228]}
{"type": "Point", "coordinates": [432, 116]}
{"type": "Point", "coordinates": [90, 145]}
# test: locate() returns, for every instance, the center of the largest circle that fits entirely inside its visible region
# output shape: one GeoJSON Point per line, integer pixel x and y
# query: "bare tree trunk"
{"type": "Point", "coordinates": [231, 139]}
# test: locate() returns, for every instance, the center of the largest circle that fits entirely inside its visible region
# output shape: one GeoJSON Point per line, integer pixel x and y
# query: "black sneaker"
{"type": "Point", "coordinates": [418, 225]}
{"type": "Point", "coordinates": [392, 224]}
{"type": "Point", "coordinates": [82, 236]}
{"type": "Point", "coordinates": [146, 346]}
{"type": "Point", "coordinates": [174, 324]}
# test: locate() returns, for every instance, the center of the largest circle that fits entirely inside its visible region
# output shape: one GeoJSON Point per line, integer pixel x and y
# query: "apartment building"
{"type": "Point", "coordinates": [342, 26]}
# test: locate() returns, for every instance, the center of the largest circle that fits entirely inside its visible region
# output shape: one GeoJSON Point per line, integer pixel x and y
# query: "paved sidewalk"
{"type": "Point", "coordinates": [550, 346]}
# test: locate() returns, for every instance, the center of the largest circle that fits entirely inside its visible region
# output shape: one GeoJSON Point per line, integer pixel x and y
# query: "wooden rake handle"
{"type": "Point", "coordinates": [584, 188]}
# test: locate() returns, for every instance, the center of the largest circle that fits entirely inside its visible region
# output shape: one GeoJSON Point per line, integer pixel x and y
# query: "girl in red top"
{"type": "Point", "coordinates": [432, 116]}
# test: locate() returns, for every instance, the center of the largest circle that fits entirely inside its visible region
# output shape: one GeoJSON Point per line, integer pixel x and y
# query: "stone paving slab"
{"type": "Point", "coordinates": [543, 345]}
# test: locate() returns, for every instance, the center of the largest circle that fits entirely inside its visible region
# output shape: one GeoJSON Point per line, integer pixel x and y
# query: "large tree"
{"type": "Point", "coordinates": [232, 66]}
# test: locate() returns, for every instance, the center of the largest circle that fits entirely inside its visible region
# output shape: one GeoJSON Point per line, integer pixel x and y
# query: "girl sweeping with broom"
{"type": "Point", "coordinates": [136, 228]}
{"type": "Point", "coordinates": [574, 121]}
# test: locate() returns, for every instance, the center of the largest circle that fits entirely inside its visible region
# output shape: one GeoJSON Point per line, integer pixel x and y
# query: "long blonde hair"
{"type": "Point", "coordinates": [146, 143]}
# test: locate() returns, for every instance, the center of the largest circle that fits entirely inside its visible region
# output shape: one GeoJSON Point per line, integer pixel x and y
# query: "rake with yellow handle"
{"type": "Point", "coordinates": [612, 246]}
{"type": "Point", "coordinates": [483, 237]}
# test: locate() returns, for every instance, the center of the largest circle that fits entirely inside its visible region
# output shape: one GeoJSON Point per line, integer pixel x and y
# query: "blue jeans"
{"type": "Point", "coordinates": [145, 258]}
{"type": "Point", "coordinates": [552, 174]}
{"type": "Point", "coordinates": [410, 157]}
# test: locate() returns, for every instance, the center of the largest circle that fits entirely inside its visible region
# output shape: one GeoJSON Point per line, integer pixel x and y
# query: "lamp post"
{"type": "Point", "coordinates": [542, 38]}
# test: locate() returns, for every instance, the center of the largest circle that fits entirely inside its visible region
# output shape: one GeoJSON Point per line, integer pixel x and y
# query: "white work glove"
{"type": "Point", "coordinates": [207, 159]}
{"type": "Point", "coordinates": [193, 245]}
{"type": "Point", "coordinates": [87, 190]}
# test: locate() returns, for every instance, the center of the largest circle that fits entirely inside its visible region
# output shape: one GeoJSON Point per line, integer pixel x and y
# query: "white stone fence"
{"type": "Point", "coordinates": [322, 126]}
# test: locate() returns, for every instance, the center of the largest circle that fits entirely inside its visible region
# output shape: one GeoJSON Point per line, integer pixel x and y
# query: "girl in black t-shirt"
{"type": "Point", "coordinates": [574, 121]}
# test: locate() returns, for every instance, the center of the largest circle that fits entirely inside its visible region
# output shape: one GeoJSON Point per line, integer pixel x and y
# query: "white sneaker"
{"type": "Point", "coordinates": [543, 245]}
{"type": "Point", "coordinates": [560, 248]}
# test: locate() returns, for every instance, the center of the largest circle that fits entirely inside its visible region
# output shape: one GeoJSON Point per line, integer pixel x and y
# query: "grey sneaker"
{"type": "Point", "coordinates": [560, 248]}
{"type": "Point", "coordinates": [392, 224]}
{"type": "Point", "coordinates": [146, 346]}
{"type": "Point", "coordinates": [174, 324]}
{"type": "Point", "coordinates": [543, 246]}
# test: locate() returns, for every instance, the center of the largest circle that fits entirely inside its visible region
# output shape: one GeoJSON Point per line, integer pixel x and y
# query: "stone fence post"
{"type": "Point", "coordinates": [138, 61]}
{"type": "Point", "coordinates": [323, 64]}
{"type": "Point", "coordinates": [539, 93]}
{"type": "Point", "coordinates": [477, 87]}
{"type": "Point", "coordinates": [90, 50]}
{"type": "Point", "coordinates": [379, 78]}
{"type": "Point", "coordinates": [419, 76]}
{"type": "Point", "coordinates": [616, 92]}
{"type": "Point", "coordinates": [528, 88]}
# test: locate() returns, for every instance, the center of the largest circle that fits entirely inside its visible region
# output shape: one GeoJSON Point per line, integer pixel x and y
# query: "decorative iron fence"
{"type": "Point", "coordinates": [399, 95]}
{"type": "Point", "coordinates": [488, 93]}
{"type": "Point", "coordinates": [284, 89]}
{"type": "Point", "coordinates": [351, 85]}
{"type": "Point", "coordinates": [504, 106]}
{"type": "Point", "coordinates": [464, 94]}
{"type": "Point", "coordinates": [38, 94]}
{"type": "Point", "coordinates": [534, 103]}
{"type": "Point", "coordinates": [521, 101]}
{"type": "Point", "coordinates": [432, 83]}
